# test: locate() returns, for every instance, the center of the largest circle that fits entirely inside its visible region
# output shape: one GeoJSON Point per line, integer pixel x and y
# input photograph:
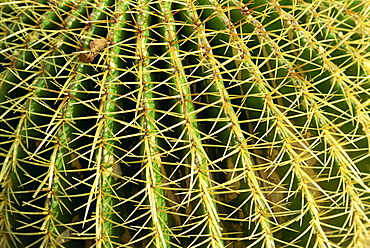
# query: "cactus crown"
{"type": "Point", "coordinates": [184, 123]}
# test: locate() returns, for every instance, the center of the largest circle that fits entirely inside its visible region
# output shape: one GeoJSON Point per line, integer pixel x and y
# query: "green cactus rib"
{"type": "Point", "coordinates": [185, 123]}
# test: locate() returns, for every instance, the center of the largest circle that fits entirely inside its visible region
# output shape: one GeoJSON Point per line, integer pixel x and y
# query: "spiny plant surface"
{"type": "Point", "coordinates": [208, 123]}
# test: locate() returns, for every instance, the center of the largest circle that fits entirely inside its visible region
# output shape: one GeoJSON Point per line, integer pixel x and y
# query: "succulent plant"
{"type": "Point", "coordinates": [187, 123]}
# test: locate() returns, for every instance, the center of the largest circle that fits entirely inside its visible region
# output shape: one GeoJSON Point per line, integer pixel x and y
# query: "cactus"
{"type": "Point", "coordinates": [185, 123]}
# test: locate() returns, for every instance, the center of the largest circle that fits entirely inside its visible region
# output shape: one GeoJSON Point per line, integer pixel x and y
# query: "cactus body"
{"type": "Point", "coordinates": [184, 123]}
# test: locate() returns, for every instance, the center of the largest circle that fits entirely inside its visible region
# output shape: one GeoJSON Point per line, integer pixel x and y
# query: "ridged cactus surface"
{"type": "Point", "coordinates": [207, 123]}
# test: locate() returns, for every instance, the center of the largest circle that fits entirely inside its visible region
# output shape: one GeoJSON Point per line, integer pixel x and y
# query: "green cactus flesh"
{"type": "Point", "coordinates": [187, 123]}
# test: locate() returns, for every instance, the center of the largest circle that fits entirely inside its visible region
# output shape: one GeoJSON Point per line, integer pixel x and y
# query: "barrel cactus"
{"type": "Point", "coordinates": [185, 123]}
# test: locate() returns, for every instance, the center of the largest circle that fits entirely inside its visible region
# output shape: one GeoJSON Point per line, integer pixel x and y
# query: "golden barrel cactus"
{"type": "Point", "coordinates": [208, 123]}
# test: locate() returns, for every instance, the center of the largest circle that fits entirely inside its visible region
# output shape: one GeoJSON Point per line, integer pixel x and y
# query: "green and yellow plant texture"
{"type": "Point", "coordinates": [169, 124]}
